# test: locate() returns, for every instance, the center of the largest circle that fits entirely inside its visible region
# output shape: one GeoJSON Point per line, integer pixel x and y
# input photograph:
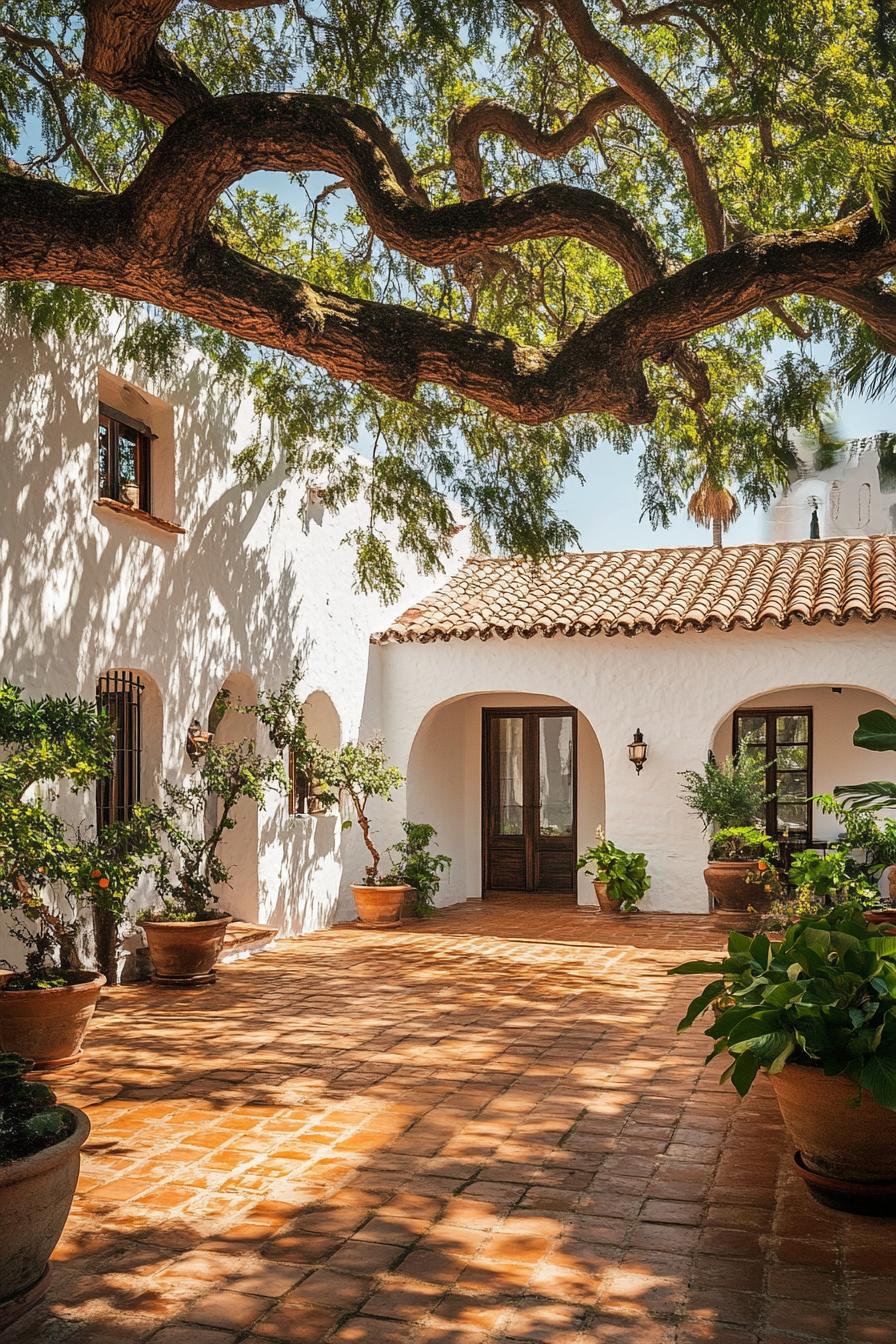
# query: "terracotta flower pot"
{"type": "Point", "coordinates": [36, 1194]}
{"type": "Point", "coordinates": [833, 1136]}
{"type": "Point", "coordinates": [607, 903]}
{"type": "Point", "coordinates": [726, 881]}
{"type": "Point", "coordinates": [380, 907]}
{"type": "Point", "coordinates": [184, 952]}
{"type": "Point", "coordinates": [48, 1025]}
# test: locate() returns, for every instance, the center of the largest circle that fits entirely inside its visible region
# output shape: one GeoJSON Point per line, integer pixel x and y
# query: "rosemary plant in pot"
{"type": "Point", "coordinates": [186, 934]}
{"type": "Point", "coordinates": [620, 876]}
{"type": "Point", "coordinates": [359, 771]}
{"type": "Point", "coordinates": [40, 1157]}
{"type": "Point", "coordinates": [817, 1013]}
{"type": "Point", "coordinates": [728, 797]}
{"type": "Point", "coordinates": [46, 1006]}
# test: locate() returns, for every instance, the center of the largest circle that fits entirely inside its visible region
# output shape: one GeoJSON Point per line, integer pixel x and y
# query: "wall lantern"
{"type": "Point", "coordinates": [637, 750]}
{"type": "Point", "coordinates": [197, 742]}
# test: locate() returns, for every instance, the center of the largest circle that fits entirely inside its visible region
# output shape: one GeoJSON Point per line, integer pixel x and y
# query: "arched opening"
{"type": "Point", "coordinates": [807, 730]}
{"type": "Point", "coordinates": [239, 846]}
{"type": "Point", "coordinates": [448, 781]}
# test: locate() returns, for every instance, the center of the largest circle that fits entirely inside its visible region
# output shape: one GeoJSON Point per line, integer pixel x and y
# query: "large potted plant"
{"type": "Point", "coordinates": [46, 1006]}
{"type": "Point", "coordinates": [186, 934]}
{"type": "Point", "coordinates": [814, 883]}
{"type": "Point", "coordinates": [855, 804]}
{"type": "Point", "coordinates": [817, 1013]}
{"type": "Point", "coordinates": [413, 864]}
{"type": "Point", "coordinates": [359, 771]}
{"type": "Point", "coordinates": [620, 876]}
{"type": "Point", "coordinates": [728, 797]}
{"type": "Point", "coordinates": [40, 1156]}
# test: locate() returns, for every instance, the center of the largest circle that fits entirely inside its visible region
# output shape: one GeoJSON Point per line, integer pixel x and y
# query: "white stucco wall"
{"type": "Point", "coordinates": [679, 689]}
{"type": "Point", "coordinates": [257, 578]}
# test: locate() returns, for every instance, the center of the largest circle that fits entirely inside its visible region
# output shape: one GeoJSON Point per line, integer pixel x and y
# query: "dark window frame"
{"type": "Point", "coordinates": [109, 480]}
{"type": "Point", "coordinates": [299, 787]}
{"type": "Point", "coordinates": [771, 714]}
{"type": "Point", "coordinates": [120, 694]}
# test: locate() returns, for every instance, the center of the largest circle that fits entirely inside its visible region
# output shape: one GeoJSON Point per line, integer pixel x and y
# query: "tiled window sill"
{"type": "Point", "coordinates": [139, 515]}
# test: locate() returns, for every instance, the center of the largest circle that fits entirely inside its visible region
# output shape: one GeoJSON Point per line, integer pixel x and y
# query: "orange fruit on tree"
{"type": "Point", "coordinates": [103, 882]}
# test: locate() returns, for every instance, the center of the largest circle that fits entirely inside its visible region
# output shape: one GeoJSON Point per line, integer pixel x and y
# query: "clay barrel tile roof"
{"type": "Point", "coordinates": [691, 588]}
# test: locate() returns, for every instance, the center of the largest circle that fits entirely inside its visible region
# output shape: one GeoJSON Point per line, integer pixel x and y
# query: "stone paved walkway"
{"type": "Point", "coordinates": [482, 1128]}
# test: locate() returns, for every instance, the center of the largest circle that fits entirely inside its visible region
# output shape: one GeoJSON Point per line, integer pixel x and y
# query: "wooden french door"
{"type": "Point", "coordinates": [529, 799]}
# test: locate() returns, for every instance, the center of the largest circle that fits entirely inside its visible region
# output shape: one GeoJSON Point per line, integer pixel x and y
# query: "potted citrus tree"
{"type": "Point", "coordinates": [40, 1157]}
{"type": "Point", "coordinates": [728, 797]}
{"type": "Point", "coordinates": [817, 1013]}
{"type": "Point", "coordinates": [359, 771]}
{"type": "Point", "coordinates": [620, 876]}
{"type": "Point", "coordinates": [186, 933]}
{"type": "Point", "coordinates": [45, 1006]}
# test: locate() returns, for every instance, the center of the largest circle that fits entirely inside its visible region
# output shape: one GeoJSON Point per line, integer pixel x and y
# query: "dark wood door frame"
{"type": "Point", "coordinates": [538, 849]}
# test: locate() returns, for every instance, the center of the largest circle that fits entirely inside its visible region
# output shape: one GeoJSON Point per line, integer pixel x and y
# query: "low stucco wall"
{"type": "Point", "coordinates": [679, 689]}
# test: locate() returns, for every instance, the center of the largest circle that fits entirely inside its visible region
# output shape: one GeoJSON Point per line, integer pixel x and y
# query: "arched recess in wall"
{"type": "Point", "coordinates": [444, 781]}
{"type": "Point", "coordinates": [322, 720]}
{"type": "Point", "coordinates": [808, 729]}
{"type": "Point", "coordinates": [239, 846]}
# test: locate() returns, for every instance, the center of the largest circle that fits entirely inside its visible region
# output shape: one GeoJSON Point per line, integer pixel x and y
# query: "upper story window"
{"type": "Point", "coordinates": [125, 459]}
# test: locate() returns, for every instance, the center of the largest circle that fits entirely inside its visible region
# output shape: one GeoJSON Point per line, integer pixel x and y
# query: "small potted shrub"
{"type": "Point", "coordinates": [814, 883]}
{"type": "Point", "coordinates": [817, 1013]}
{"type": "Point", "coordinates": [40, 1156]}
{"type": "Point", "coordinates": [620, 876]}
{"type": "Point", "coordinates": [185, 936]}
{"type": "Point", "coordinates": [415, 866]}
{"type": "Point", "coordinates": [728, 797]}
{"type": "Point", "coordinates": [360, 771]}
{"type": "Point", "coordinates": [45, 1007]}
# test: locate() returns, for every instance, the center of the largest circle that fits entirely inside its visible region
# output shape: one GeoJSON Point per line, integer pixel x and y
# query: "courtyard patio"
{"type": "Point", "coordinates": [479, 1128]}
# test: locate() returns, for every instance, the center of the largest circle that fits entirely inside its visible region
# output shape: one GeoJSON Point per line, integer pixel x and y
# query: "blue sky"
{"type": "Point", "coordinates": [606, 509]}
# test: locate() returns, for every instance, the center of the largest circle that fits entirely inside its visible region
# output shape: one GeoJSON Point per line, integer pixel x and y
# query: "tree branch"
{"type": "Point", "coordinates": [598, 50]}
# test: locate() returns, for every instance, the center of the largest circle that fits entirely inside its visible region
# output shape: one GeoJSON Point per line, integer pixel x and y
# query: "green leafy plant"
{"type": "Point", "coordinates": [43, 742]}
{"type": "Point", "coordinates": [729, 794]}
{"type": "Point", "coordinates": [360, 771]}
{"type": "Point", "coordinates": [876, 732]}
{"type": "Point", "coordinates": [623, 871]}
{"type": "Point", "coordinates": [825, 996]}
{"type": "Point", "coordinates": [190, 867]}
{"type": "Point", "coordinates": [29, 1117]}
{"type": "Point", "coordinates": [831, 877]}
{"type": "Point", "coordinates": [414, 863]}
{"type": "Point", "coordinates": [741, 842]}
{"type": "Point", "coordinates": [282, 712]}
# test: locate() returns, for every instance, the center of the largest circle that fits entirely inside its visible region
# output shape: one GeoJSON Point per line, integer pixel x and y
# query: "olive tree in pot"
{"type": "Point", "coordinates": [817, 1013]}
{"type": "Point", "coordinates": [728, 797]}
{"type": "Point", "coordinates": [359, 771]}
{"type": "Point", "coordinates": [40, 1157]}
{"type": "Point", "coordinates": [45, 1007]}
{"type": "Point", "coordinates": [186, 935]}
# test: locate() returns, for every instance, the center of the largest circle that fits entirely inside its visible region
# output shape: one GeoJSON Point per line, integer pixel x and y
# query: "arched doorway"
{"type": "Point", "coordinates": [553, 799]}
{"type": "Point", "coordinates": [804, 733]}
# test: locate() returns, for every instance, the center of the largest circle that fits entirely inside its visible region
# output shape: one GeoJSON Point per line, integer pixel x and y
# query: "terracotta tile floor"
{"type": "Point", "coordinates": [480, 1128]}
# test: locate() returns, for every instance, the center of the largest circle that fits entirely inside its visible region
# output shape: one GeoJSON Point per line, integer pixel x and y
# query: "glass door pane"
{"type": "Point", "coordinates": [555, 774]}
{"type": "Point", "coordinates": [510, 776]}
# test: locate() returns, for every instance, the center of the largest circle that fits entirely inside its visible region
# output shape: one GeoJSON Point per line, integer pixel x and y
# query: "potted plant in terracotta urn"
{"type": "Point", "coordinates": [359, 771]}
{"type": "Point", "coordinates": [728, 797]}
{"type": "Point", "coordinates": [817, 1013]}
{"type": "Point", "coordinates": [186, 933]}
{"type": "Point", "coordinates": [40, 1157]}
{"type": "Point", "coordinates": [46, 1006]}
{"type": "Point", "coordinates": [416, 866]}
{"type": "Point", "coordinates": [620, 876]}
